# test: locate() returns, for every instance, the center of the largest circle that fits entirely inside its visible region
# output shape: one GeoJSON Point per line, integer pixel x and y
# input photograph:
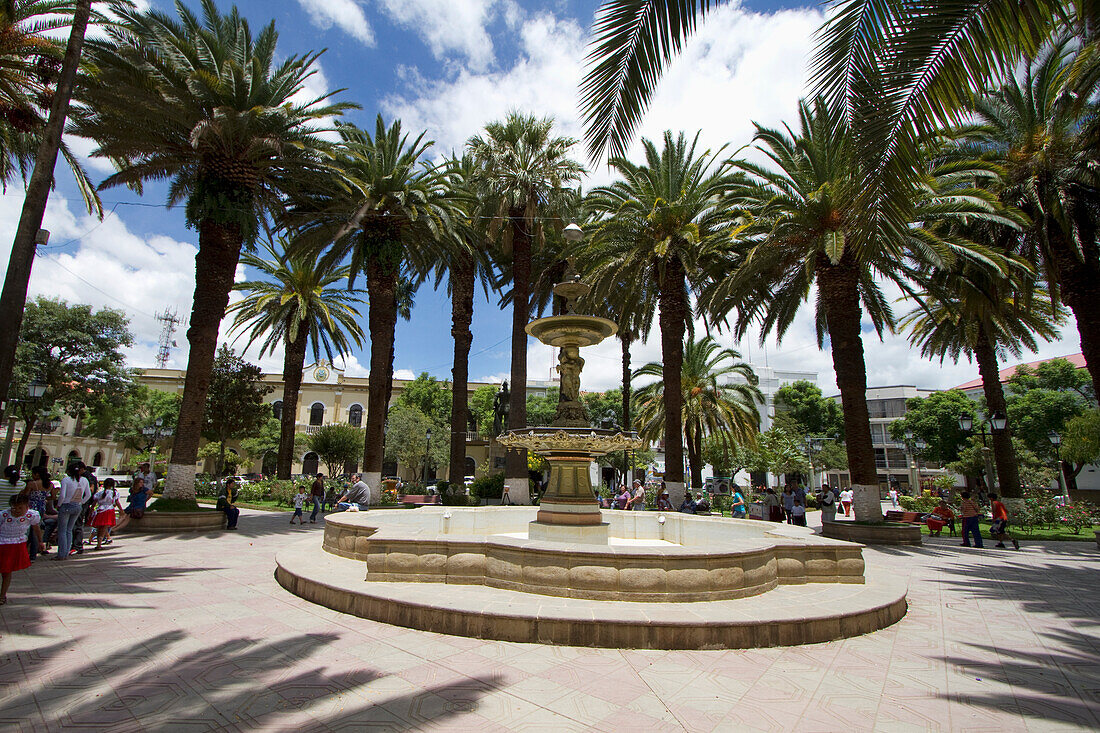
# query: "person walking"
{"type": "Point", "coordinates": [738, 507]}
{"type": "Point", "coordinates": [226, 501]}
{"type": "Point", "coordinates": [788, 503]}
{"type": "Point", "coordinates": [106, 501]}
{"type": "Point", "coordinates": [892, 494]}
{"type": "Point", "coordinates": [317, 494]}
{"type": "Point", "coordinates": [1000, 524]}
{"type": "Point", "coordinates": [772, 508]}
{"type": "Point", "coordinates": [14, 524]}
{"type": "Point", "coordinates": [971, 513]}
{"type": "Point", "coordinates": [299, 502]}
{"type": "Point", "coordinates": [38, 494]}
{"type": "Point", "coordinates": [828, 504]}
{"type": "Point", "coordinates": [846, 498]}
{"type": "Point", "coordinates": [74, 492]}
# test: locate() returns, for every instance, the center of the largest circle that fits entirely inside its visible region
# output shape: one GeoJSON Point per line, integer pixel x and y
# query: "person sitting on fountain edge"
{"type": "Point", "coordinates": [357, 496]}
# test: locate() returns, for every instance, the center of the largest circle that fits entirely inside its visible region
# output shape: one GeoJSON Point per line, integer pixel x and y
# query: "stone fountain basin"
{"type": "Point", "coordinates": [687, 558]}
{"type": "Point", "coordinates": [571, 329]}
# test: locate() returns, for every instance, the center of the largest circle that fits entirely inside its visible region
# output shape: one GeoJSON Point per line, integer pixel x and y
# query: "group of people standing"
{"type": "Point", "coordinates": [41, 512]}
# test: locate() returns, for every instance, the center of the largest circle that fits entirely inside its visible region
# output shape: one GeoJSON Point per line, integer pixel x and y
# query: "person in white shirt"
{"type": "Point", "coordinates": [846, 498]}
{"type": "Point", "coordinates": [148, 476]}
{"type": "Point", "coordinates": [637, 502]}
{"type": "Point", "coordinates": [106, 501]}
{"type": "Point", "coordinates": [299, 502]}
{"type": "Point", "coordinates": [75, 490]}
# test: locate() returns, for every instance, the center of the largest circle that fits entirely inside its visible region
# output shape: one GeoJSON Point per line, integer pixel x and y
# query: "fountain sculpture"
{"type": "Point", "coordinates": [568, 511]}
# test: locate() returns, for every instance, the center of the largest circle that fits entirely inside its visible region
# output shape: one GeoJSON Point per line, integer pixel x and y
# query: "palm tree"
{"type": "Point", "coordinates": [522, 175]}
{"type": "Point", "coordinates": [1046, 143]}
{"type": "Point", "coordinates": [662, 226]}
{"type": "Point", "coordinates": [805, 214]}
{"type": "Point", "coordinates": [294, 304]}
{"type": "Point", "coordinates": [384, 217]}
{"type": "Point", "coordinates": [203, 103]}
{"type": "Point", "coordinates": [972, 312]}
{"type": "Point", "coordinates": [710, 403]}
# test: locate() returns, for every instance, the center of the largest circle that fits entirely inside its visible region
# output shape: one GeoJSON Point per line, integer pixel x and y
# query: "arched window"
{"type": "Point", "coordinates": [277, 409]}
{"type": "Point", "coordinates": [355, 416]}
{"type": "Point", "coordinates": [98, 459]}
{"type": "Point", "coordinates": [316, 413]}
{"type": "Point", "coordinates": [309, 463]}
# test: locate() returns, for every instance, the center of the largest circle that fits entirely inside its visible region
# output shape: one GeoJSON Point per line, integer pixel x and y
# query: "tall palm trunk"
{"type": "Point", "coordinates": [215, 265]}
{"type": "Point", "coordinates": [673, 315]}
{"type": "Point", "coordinates": [624, 339]}
{"type": "Point", "coordinates": [382, 320]}
{"type": "Point", "coordinates": [515, 466]}
{"type": "Point", "coordinates": [695, 454]}
{"type": "Point", "coordinates": [1005, 458]}
{"type": "Point", "coordinates": [294, 361]}
{"type": "Point", "coordinates": [839, 286]}
{"type": "Point", "coordinates": [13, 299]}
{"type": "Point", "coordinates": [462, 314]}
{"type": "Point", "coordinates": [1079, 280]}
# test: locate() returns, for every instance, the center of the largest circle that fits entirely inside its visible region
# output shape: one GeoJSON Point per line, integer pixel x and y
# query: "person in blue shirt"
{"type": "Point", "coordinates": [738, 507]}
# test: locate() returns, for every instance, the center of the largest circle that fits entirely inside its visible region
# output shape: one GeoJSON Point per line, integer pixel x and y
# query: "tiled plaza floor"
{"type": "Point", "coordinates": [165, 633]}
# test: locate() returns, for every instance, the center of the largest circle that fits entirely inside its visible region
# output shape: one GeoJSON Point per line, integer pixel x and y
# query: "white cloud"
{"type": "Point", "coordinates": [453, 26]}
{"type": "Point", "coordinates": [314, 87]}
{"type": "Point", "coordinates": [347, 15]}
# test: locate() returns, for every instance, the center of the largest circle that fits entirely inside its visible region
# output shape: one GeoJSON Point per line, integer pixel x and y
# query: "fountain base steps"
{"type": "Point", "coordinates": [785, 616]}
{"type": "Point", "coordinates": [581, 534]}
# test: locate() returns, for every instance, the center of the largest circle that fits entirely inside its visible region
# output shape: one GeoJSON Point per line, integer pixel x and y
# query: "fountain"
{"type": "Point", "coordinates": [559, 572]}
{"type": "Point", "coordinates": [568, 511]}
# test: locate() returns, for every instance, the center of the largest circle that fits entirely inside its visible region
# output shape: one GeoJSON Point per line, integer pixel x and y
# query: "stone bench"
{"type": "Point", "coordinates": [907, 517]}
{"type": "Point", "coordinates": [207, 521]}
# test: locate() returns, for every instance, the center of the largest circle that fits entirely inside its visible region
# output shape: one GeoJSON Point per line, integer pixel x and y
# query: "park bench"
{"type": "Point", "coordinates": [418, 499]}
{"type": "Point", "coordinates": [907, 517]}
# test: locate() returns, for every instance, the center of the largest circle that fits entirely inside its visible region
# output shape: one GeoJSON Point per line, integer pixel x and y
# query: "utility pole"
{"type": "Point", "coordinates": [13, 299]}
{"type": "Point", "coordinates": [170, 321]}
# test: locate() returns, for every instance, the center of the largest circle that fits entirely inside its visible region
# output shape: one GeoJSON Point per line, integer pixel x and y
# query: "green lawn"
{"type": "Point", "coordinates": [1056, 534]}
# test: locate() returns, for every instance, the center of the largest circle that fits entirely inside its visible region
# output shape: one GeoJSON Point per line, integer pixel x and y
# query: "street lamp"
{"type": "Point", "coordinates": [35, 390]}
{"type": "Point", "coordinates": [1055, 439]}
{"type": "Point", "coordinates": [813, 444]}
{"type": "Point", "coordinates": [427, 454]}
{"type": "Point", "coordinates": [573, 233]}
{"type": "Point", "coordinates": [154, 433]}
{"type": "Point", "coordinates": [997, 422]}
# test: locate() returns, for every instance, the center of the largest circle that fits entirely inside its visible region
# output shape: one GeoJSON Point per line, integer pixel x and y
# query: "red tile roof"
{"type": "Point", "coordinates": [1078, 360]}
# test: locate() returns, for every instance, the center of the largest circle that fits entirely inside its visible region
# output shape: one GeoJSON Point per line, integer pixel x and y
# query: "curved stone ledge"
{"type": "Point", "coordinates": [177, 522]}
{"type": "Point", "coordinates": [785, 616]}
{"type": "Point", "coordinates": [720, 560]}
{"type": "Point", "coordinates": [873, 534]}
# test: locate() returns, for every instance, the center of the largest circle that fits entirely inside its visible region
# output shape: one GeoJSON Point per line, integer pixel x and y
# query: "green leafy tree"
{"type": "Point", "coordinates": [808, 233]}
{"type": "Point", "coordinates": [138, 408]}
{"type": "Point", "coordinates": [780, 451]}
{"type": "Point", "coordinates": [235, 406]}
{"type": "Point", "coordinates": [832, 456]}
{"type": "Point", "coordinates": [602, 406]}
{"type": "Point", "coordinates": [1034, 471]}
{"type": "Point", "coordinates": [816, 415]}
{"type": "Point", "coordinates": [935, 420]}
{"type": "Point", "coordinates": [1080, 445]}
{"type": "Point", "coordinates": [522, 176]}
{"type": "Point", "coordinates": [718, 396]}
{"type": "Point", "coordinates": [228, 459]}
{"type": "Point", "coordinates": [430, 396]}
{"type": "Point", "coordinates": [263, 445]}
{"type": "Point", "coordinates": [295, 303]}
{"type": "Point", "coordinates": [337, 445]}
{"type": "Point", "coordinates": [384, 219]}
{"type": "Point", "coordinates": [407, 442]}
{"type": "Point", "coordinates": [202, 102]}
{"type": "Point", "coordinates": [726, 456]}
{"type": "Point", "coordinates": [1045, 399]}
{"type": "Point", "coordinates": [541, 408]}
{"type": "Point", "coordinates": [481, 407]}
{"type": "Point", "coordinates": [75, 352]}
{"type": "Point", "coordinates": [663, 223]}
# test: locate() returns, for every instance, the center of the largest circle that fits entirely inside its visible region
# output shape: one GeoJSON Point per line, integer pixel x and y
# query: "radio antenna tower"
{"type": "Point", "coordinates": [165, 344]}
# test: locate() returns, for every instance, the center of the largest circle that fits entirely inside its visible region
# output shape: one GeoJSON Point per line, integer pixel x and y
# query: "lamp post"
{"type": "Point", "coordinates": [427, 454]}
{"type": "Point", "coordinates": [43, 427]}
{"type": "Point", "coordinates": [813, 444]}
{"type": "Point", "coordinates": [35, 390]}
{"type": "Point", "coordinates": [153, 433]}
{"type": "Point", "coordinates": [1055, 439]}
{"type": "Point", "coordinates": [997, 423]}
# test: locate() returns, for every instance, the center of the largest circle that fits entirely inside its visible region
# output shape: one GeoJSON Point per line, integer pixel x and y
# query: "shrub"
{"type": "Point", "coordinates": [922, 504]}
{"type": "Point", "coordinates": [452, 495]}
{"type": "Point", "coordinates": [1040, 510]}
{"type": "Point", "coordinates": [1077, 516]}
{"type": "Point", "coordinates": [488, 487]}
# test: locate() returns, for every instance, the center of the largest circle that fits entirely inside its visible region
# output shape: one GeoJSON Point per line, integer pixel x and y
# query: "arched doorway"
{"type": "Point", "coordinates": [471, 466]}
{"type": "Point", "coordinates": [97, 460]}
{"type": "Point", "coordinates": [309, 463]}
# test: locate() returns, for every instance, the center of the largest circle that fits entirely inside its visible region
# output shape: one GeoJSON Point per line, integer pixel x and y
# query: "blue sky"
{"type": "Point", "coordinates": [447, 67]}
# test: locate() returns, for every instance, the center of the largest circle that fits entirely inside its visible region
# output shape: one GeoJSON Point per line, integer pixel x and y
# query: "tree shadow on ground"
{"type": "Point", "coordinates": [252, 524]}
{"type": "Point", "coordinates": [1054, 682]}
{"type": "Point", "coordinates": [237, 683]}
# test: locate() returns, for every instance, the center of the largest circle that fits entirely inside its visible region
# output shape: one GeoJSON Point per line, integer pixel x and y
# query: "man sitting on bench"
{"type": "Point", "coordinates": [357, 496]}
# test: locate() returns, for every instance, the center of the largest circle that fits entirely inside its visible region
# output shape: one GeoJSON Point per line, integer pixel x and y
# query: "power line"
{"type": "Point", "coordinates": [95, 287]}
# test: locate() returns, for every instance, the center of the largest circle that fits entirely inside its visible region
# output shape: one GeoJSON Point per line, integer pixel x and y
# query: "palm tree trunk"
{"type": "Point", "coordinates": [1079, 280]}
{"type": "Point", "coordinates": [215, 265]}
{"type": "Point", "coordinates": [293, 363]}
{"type": "Point", "coordinates": [1007, 470]}
{"type": "Point", "coordinates": [673, 315]}
{"type": "Point", "coordinates": [515, 465]}
{"type": "Point", "coordinates": [839, 286]}
{"type": "Point", "coordinates": [695, 455]}
{"type": "Point", "coordinates": [462, 314]}
{"type": "Point", "coordinates": [13, 299]}
{"type": "Point", "coordinates": [382, 320]}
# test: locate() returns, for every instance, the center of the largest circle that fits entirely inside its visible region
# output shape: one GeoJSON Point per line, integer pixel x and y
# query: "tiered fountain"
{"type": "Point", "coordinates": [559, 572]}
{"type": "Point", "coordinates": [568, 511]}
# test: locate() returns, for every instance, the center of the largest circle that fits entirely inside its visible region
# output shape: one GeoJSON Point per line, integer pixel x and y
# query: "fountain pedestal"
{"type": "Point", "coordinates": [567, 512]}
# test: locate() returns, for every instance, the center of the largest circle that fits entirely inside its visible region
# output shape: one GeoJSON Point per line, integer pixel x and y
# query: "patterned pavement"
{"type": "Point", "coordinates": [191, 633]}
